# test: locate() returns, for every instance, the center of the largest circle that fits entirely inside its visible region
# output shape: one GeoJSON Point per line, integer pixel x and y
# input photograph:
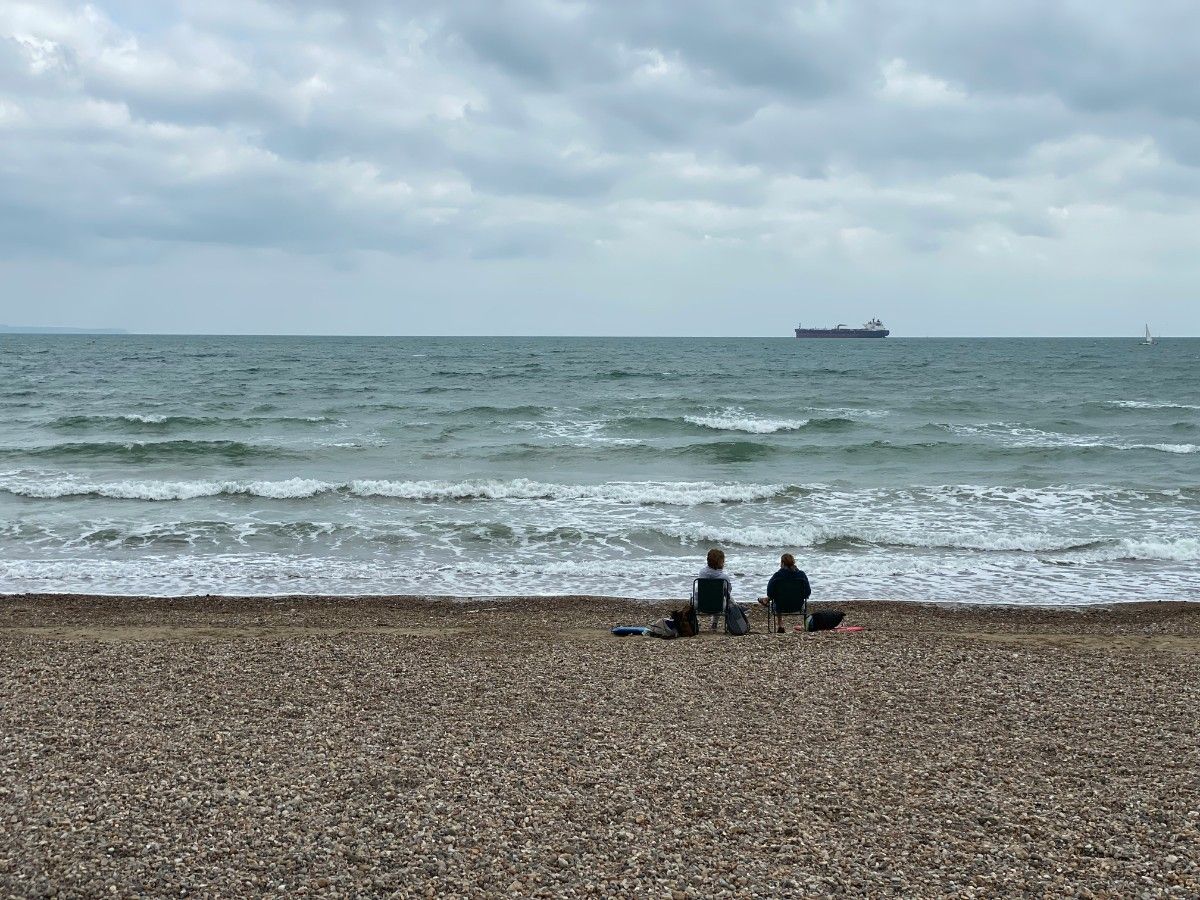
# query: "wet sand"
{"type": "Point", "coordinates": [420, 747]}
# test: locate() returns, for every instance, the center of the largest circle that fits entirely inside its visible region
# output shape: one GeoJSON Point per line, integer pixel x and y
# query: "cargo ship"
{"type": "Point", "coordinates": [872, 329]}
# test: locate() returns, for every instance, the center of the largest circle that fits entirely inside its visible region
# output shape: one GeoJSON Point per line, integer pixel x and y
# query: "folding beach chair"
{"type": "Point", "coordinates": [708, 597]}
{"type": "Point", "coordinates": [792, 601]}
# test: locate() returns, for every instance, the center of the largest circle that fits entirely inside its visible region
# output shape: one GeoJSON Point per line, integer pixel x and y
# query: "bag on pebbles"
{"type": "Point", "coordinates": [735, 619]}
{"type": "Point", "coordinates": [686, 623]}
{"type": "Point", "coordinates": [663, 628]}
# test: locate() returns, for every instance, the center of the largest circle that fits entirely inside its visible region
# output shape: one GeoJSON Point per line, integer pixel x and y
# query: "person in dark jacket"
{"type": "Point", "coordinates": [787, 572]}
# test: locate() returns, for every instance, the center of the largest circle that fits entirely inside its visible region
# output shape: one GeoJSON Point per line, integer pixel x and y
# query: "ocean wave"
{"type": "Point", "coordinates": [219, 534]}
{"type": "Point", "coordinates": [1023, 437]}
{"type": "Point", "coordinates": [844, 538]}
{"type": "Point", "coordinates": [1129, 550]}
{"type": "Point", "coordinates": [575, 434]}
{"type": "Point", "coordinates": [160, 422]}
{"type": "Point", "coordinates": [854, 413]}
{"type": "Point", "coordinates": [639, 493]}
{"type": "Point", "coordinates": [1148, 404]}
{"type": "Point", "coordinates": [148, 451]}
{"type": "Point", "coordinates": [946, 404]}
{"type": "Point", "coordinates": [493, 411]}
{"type": "Point", "coordinates": [1051, 499]}
{"type": "Point", "coordinates": [151, 490]}
{"type": "Point", "coordinates": [754, 425]}
{"type": "Point", "coordinates": [833, 423]}
{"type": "Point", "coordinates": [735, 419]}
{"type": "Point", "coordinates": [680, 493]}
{"type": "Point", "coordinates": [727, 451]}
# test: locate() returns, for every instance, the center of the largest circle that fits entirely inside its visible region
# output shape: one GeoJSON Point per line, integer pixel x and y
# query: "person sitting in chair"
{"type": "Point", "coordinates": [715, 568]}
{"type": "Point", "coordinates": [787, 572]}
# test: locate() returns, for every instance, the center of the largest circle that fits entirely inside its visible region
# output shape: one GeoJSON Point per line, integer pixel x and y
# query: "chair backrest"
{"type": "Point", "coordinates": [708, 596]}
{"type": "Point", "coordinates": [792, 596]}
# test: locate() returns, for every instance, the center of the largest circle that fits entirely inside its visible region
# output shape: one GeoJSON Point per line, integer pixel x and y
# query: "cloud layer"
{"type": "Point", "coordinates": [956, 156]}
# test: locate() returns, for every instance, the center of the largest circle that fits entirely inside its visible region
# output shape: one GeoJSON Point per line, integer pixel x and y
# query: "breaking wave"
{"type": "Point", "coordinates": [738, 420]}
{"type": "Point", "coordinates": [1129, 550]}
{"type": "Point", "coordinates": [149, 451]}
{"type": "Point", "coordinates": [1148, 404]}
{"type": "Point", "coordinates": [842, 538]}
{"type": "Point", "coordinates": [680, 493]}
{"type": "Point", "coordinates": [1025, 438]}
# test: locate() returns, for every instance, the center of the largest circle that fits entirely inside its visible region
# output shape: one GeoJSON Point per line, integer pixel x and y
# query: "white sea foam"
{"type": "Point", "coordinates": [69, 486]}
{"type": "Point", "coordinates": [290, 489]}
{"type": "Point", "coordinates": [1166, 549]}
{"type": "Point", "coordinates": [736, 419]}
{"type": "Point", "coordinates": [678, 493]}
{"type": "Point", "coordinates": [575, 434]}
{"type": "Point", "coordinates": [151, 419]}
{"type": "Point", "coordinates": [1178, 550]}
{"type": "Point", "coordinates": [895, 576]}
{"type": "Point", "coordinates": [1169, 448]}
{"type": "Point", "coordinates": [849, 412]}
{"type": "Point", "coordinates": [681, 493]}
{"type": "Point", "coordinates": [782, 537]}
{"type": "Point", "coordinates": [1149, 404]}
{"type": "Point", "coordinates": [1020, 436]}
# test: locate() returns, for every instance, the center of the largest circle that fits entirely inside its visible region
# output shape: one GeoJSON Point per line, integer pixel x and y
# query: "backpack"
{"type": "Point", "coordinates": [663, 628]}
{"type": "Point", "coordinates": [824, 620]}
{"type": "Point", "coordinates": [735, 619]}
{"type": "Point", "coordinates": [686, 623]}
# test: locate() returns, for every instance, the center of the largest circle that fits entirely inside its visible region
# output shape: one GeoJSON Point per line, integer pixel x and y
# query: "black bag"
{"type": "Point", "coordinates": [686, 623]}
{"type": "Point", "coordinates": [824, 620]}
{"type": "Point", "coordinates": [735, 619]}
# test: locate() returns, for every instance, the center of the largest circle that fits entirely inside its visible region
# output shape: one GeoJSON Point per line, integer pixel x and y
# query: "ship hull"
{"type": "Point", "coordinates": [842, 332]}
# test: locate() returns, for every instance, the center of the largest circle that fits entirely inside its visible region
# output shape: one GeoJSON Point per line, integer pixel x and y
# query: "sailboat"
{"type": "Point", "coordinates": [1148, 341]}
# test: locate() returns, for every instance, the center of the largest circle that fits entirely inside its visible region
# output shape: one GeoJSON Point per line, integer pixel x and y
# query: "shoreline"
{"type": "Point", "coordinates": [109, 617]}
{"type": "Point", "coordinates": [409, 746]}
{"type": "Point", "coordinates": [582, 598]}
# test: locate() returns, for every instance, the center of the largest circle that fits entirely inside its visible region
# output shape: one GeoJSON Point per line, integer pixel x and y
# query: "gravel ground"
{"type": "Point", "coordinates": [409, 747]}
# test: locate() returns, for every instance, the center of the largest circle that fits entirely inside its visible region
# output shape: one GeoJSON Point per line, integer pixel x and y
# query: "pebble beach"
{"type": "Point", "coordinates": [403, 746]}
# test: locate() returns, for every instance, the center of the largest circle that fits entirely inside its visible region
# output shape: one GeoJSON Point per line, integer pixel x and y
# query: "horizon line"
{"type": "Point", "coordinates": [52, 331]}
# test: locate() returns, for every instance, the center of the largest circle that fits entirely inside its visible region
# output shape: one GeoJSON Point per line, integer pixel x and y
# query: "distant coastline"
{"type": "Point", "coordinates": [51, 329]}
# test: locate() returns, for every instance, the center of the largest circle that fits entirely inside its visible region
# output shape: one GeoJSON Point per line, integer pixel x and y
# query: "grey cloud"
{"type": "Point", "coordinates": [763, 44]}
{"type": "Point", "coordinates": [543, 130]}
{"type": "Point", "coordinates": [1096, 57]}
{"type": "Point", "coordinates": [530, 173]}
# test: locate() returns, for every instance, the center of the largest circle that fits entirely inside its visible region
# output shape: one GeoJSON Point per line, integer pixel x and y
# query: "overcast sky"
{"type": "Point", "coordinates": [604, 167]}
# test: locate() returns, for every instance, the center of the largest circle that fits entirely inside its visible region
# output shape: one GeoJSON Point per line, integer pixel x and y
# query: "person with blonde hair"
{"type": "Point", "coordinates": [715, 568]}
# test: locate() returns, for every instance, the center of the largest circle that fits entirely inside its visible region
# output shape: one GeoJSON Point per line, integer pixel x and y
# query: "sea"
{"type": "Point", "coordinates": [1047, 472]}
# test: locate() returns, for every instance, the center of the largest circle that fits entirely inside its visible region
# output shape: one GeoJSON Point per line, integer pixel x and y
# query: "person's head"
{"type": "Point", "coordinates": [787, 561]}
{"type": "Point", "coordinates": [716, 559]}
